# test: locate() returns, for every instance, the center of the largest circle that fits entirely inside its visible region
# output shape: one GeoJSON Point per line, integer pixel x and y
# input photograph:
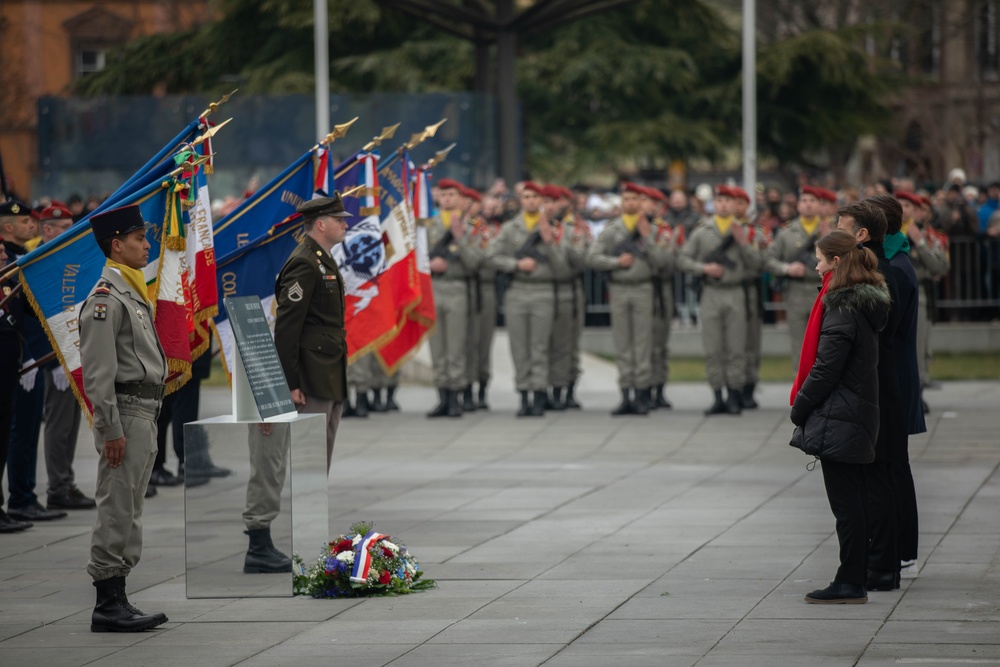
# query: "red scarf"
{"type": "Point", "coordinates": [810, 342]}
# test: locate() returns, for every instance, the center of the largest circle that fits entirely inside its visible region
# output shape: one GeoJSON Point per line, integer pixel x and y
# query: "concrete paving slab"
{"type": "Point", "coordinates": [487, 655]}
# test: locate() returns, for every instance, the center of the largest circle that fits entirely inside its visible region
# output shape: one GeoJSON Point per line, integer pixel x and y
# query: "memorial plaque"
{"type": "Point", "coordinates": [259, 357]}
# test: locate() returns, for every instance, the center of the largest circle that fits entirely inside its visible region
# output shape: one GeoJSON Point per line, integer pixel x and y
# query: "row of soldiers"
{"type": "Point", "coordinates": [542, 254]}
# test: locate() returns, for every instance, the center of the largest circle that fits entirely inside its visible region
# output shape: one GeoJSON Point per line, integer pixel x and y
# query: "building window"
{"type": "Point", "coordinates": [987, 50]}
{"type": "Point", "coordinates": [89, 60]}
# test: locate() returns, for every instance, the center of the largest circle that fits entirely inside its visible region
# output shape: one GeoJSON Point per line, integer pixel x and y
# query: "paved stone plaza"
{"type": "Point", "coordinates": [576, 539]}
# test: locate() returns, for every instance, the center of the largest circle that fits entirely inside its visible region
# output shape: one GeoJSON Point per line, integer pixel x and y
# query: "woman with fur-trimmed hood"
{"type": "Point", "coordinates": [835, 398]}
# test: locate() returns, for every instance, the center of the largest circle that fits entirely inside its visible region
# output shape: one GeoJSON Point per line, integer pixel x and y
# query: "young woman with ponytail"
{"type": "Point", "coordinates": [835, 398]}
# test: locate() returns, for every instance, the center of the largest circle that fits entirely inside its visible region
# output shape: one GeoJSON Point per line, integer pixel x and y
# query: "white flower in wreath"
{"type": "Point", "coordinates": [357, 538]}
{"type": "Point", "coordinates": [390, 546]}
{"type": "Point", "coordinates": [346, 556]}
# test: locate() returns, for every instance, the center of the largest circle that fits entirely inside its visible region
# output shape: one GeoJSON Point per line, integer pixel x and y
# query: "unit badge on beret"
{"type": "Point", "coordinates": [15, 209]}
{"type": "Point", "coordinates": [101, 311]}
{"type": "Point", "coordinates": [295, 292]}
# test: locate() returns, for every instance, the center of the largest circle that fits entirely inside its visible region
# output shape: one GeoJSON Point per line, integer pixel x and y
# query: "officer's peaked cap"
{"type": "Point", "coordinates": [117, 222]}
{"type": "Point", "coordinates": [332, 206]}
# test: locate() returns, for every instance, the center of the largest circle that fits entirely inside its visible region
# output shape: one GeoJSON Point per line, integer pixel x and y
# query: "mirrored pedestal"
{"type": "Point", "coordinates": [277, 491]}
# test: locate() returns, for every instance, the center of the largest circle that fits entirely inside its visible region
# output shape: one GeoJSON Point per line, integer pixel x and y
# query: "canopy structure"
{"type": "Point", "coordinates": [486, 23]}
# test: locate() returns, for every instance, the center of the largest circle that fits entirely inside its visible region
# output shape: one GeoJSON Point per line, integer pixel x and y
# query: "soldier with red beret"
{"type": "Point", "coordinates": [791, 256]}
{"type": "Point", "coordinates": [759, 238]}
{"type": "Point", "coordinates": [663, 293]}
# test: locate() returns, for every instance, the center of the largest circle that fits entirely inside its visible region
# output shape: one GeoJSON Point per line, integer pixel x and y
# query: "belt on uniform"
{"type": "Point", "coordinates": [140, 390]}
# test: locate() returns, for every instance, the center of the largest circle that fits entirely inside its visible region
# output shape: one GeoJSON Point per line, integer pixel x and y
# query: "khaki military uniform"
{"type": "Point", "coordinates": [790, 245]}
{"type": "Point", "coordinates": [530, 302]}
{"type": "Point", "coordinates": [360, 373]}
{"type": "Point", "coordinates": [563, 342]}
{"type": "Point", "coordinates": [452, 297]}
{"type": "Point", "coordinates": [379, 378]}
{"type": "Point", "coordinates": [632, 299]}
{"type": "Point", "coordinates": [930, 262]}
{"type": "Point", "coordinates": [124, 371]}
{"type": "Point", "coordinates": [723, 304]}
{"type": "Point", "coordinates": [663, 305]}
{"type": "Point", "coordinates": [309, 332]}
{"type": "Point", "coordinates": [759, 241]}
{"type": "Point", "coordinates": [576, 246]}
{"type": "Point", "coordinates": [269, 450]}
{"type": "Point", "coordinates": [483, 310]}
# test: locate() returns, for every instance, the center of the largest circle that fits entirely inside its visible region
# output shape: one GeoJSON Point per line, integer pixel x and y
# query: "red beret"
{"type": "Point", "coordinates": [552, 192]}
{"type": "Point", "coordinates": [448, 184]}
{"type": "Point", "coordinates": [55, 212]}
{"type": "Point", "coordinates": [534, 187]}
{"type": "Point", "coordinates": [909, 196]}
{"type": "Point", "coordinates": [472, 193]}
{"type": "Point", "coordinates": [816, 192]}
{"type": "Point", "coordinates": [739, 193]}
{"type": "Point", "coordinates": [656, 194]}
{"type": "Point", "coordinates": [829, 195]}
{"type": "Point", "coordinates": [567, 193]}
{"type": "Point", "coordinates": [724, 191]}
{"type": "Point", "coordinates": [926, 201]}
{"type": "Point", "coordinates": [629, 186]}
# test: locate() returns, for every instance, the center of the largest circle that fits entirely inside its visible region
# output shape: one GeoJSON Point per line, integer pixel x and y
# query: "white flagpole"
{"type": "Point", "coordinates": [750, 99]}
{"type": "Point", "coordinates": [322, 39]}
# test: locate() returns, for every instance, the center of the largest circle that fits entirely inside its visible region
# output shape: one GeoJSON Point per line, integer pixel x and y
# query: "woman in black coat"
{"type": "Point", "coordinates": [836, 409]}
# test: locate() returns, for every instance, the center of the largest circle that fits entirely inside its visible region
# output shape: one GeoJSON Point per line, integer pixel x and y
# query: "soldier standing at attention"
{"type": "Point", "coordinates": [124, 370]}
{"type": "Point", "coordinates": [663, 295]}
{"type": "Point", "coordinates": [719, 250]}
{"type": "Point", "coordinates": [627, 248]}
{"type": "Point", "coordinates": [576, 238]}
{"type": "Point", "coordinates": [454, 261]}
{"type": "Point", "coordinates": [309, 329]}
{"type": "Point", "coordinates": [758, 238]}
{"type": "Point", "coordinates": [526, 247]}
{"type": "Point", "coordinates": [791, 255]}
{"type": "Point", "coordinates": [483, 234]}
{"type": "Point", "coordinates": [561, 342]}
{"type": "Point", "coordinates": [930, 262]}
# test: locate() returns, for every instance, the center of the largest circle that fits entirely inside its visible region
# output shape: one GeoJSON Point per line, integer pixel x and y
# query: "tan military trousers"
{"type": "Point", "coordinates": [530, 309]}
{"type": "Point", "coordinates": [268, 444]}
{"type": "Point", "coordinates": [578, 323]}
{"type": "Point", "coordinates": [380, 379]}
{"type": "Point", "coordinates": [482, 326]}
{"type": "Point", "coordinates": [924, 353]}
{"type": "Point", "coordinates": [561, 343]}
{"type": "Point", "coordinates": [800, 295]}
{"type": "Point", "coordinates": [755, 325]}
{"type": "Point", "coordinates": [632, 333]}
{"type": "Point", "coordinates": [723, 332]}
{"type": "Point", "coordinates": [359, 373]}
{"type": "Point", "coordinates": [116, 542]}
{"type": "Point", "coordinates": [663, 320]}
{"type": "Point", "coordinates": [448, 352]}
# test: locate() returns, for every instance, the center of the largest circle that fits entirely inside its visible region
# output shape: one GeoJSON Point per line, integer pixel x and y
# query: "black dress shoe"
{"type": "Point", "coordinates": [34, 512]}
{"type": "Point", "coordinates": [9, 525]}
{"type": "Point", "coordinates": [879, 580]}
{"type": "Point", "coordinates": [837, 593]}
{"type": "Point", "coordinates": [70, 500]}
{"type": "Point", "coordinates": [163, 477]}
{"type": "Point", "coordinates": [150, 491]}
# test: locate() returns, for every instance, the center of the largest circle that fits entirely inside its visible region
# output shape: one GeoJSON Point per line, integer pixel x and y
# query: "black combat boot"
{"type": "Point", "coordinates": [482, 404]}
{"type": "Point", "coordinates": [441, 410]}
{"type": "Point", "coordinates": [159, 616]}
{"type": "Point", "coordinates": [525, 410]}
{"type": "Point", "coordinates": [468, 403]}
{"type": "Point", "coordinates": [262, 557]}
{"type": "Point", "coordinates": [557, 400]}
{"type": "Point", "coordinates": [377, 405]}
{"type": "Point", "coordinates": [734, 401]}
{"type": "Point", "coordinates": [718, 407]}
{"type": "Point", "coordinates": [640, 406]}
{"type": "Point", "coordinates": [361, 405]}
{"type": "Point", "coordinates": [390, 400]}
{"type": "Point", "coordinates": [112, 613]}
{"type": "Point", "coordinates": [625, 407]}
{"type": "Point", "coordinates": [570, 402]}
{"type": "Point", "coordinates": [538, 408]}
{"type": "Point", "coordinates": [454, 408]}
{"type": "Point", "coordinates": [348, 410]}
{"type": "Point", "coordinates": [660, 400]}
{"type": "Point", "coordinates": [749, 402]}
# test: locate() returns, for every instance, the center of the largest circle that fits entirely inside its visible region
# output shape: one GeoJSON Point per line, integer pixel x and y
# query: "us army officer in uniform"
{"type": "Point", "coordinates": [309, 322]}
{"type": "Point", "coordinates": [124, 370]}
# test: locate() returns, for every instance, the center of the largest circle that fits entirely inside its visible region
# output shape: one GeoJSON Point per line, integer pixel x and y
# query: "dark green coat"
{"type": "Point", "coordinates": [309, 323]}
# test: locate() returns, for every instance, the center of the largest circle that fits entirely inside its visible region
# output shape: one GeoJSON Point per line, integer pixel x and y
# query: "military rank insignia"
{"type": "Point", "coordinates": [101, 311]}
{"type": "Point", "coordinates": [295, 292]}
{"type": "Point", "coordinates": [102, 288]}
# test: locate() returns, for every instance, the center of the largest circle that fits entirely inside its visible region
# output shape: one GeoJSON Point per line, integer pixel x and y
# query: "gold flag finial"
{"type": "Point", "coordinates": [214, 106]}
{"type": "Point", "coordinates": [190, 164]}
{"type": "Point", "coordinates": [353, 192]}
{"type": "Point", "coordinates": [210, 132]}
{"type": "Point", "coordinates": [439, 157]}
{"type": "Point", "coordinates": [431, 130]}
{"type": "Point", "coordinates": [415, 140]}
{"type": "Point", "coordinates": [339, 131]}
{"type": "Point", "coordinates": [387, 133]}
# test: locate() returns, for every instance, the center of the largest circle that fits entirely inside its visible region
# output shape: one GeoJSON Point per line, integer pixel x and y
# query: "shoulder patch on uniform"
{"type": "Point", "coordinates": [103, 287]}
{"type": "Point", "coordinates": [295, 292]}
{"type": "Point", "coordinates": [101, 311]}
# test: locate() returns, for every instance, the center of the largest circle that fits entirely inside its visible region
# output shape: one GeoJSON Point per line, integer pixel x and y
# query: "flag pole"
{"type": "Point", "coordinates": [750, 100]}
{"type": "Point", "coordinates": [322, 48]}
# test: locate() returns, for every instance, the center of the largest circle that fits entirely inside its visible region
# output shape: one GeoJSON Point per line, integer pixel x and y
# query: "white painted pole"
{"type": "Point", "coordinates": [322, 39]}
{"type": "Point", "coordinates": [750, 98]}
